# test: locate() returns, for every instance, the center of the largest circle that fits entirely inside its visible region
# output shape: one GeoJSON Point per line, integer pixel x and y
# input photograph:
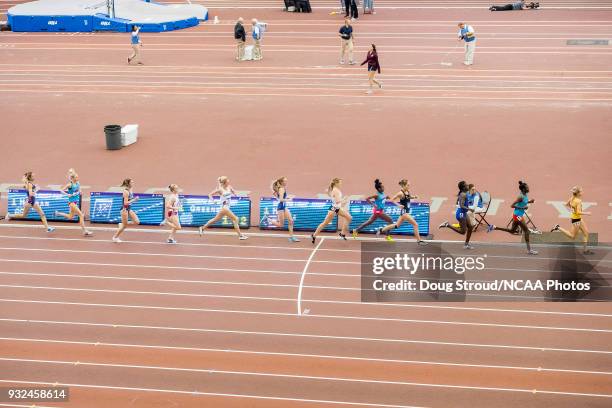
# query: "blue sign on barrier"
{"type": "Point", "coordinates": [307, 213]}
{"type": "Point", "coordinates": [106, 207]}
{"type": "Point", "coordinates": [361, 210]}
{"type": "Point", "coordinates": [50, 201]}
{"type": "Point", "coordinates": [198, 210]}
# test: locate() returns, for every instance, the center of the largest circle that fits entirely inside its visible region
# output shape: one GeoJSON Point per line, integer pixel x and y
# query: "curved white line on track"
{"type": "Point", "coordinates": [303, 277]}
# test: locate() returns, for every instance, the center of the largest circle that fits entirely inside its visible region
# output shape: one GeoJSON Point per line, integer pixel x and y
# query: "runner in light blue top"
{"type": "Point", "coordinates": [378, 202]}
{"type": "Point", "coordinates": [73, 190]}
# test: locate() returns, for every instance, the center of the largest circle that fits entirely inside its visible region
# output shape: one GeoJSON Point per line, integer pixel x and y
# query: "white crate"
{"type": "Point", "coordinates": [129, 134]}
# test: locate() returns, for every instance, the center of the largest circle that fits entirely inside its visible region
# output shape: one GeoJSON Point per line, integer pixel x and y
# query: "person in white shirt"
{"type": "Point", "coordinates": [466, 33]}
{"type": "Point", "coordinates": [257, 33]}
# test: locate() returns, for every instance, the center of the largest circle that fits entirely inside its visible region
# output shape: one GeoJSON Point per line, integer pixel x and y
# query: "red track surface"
{"type": "Point", "coordinates": [152, 324]}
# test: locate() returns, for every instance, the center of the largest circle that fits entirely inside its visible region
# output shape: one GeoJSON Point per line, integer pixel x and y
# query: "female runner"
{"type": "Point", "coordinates": [465, 225]}
{"type": "Point", "coordinates": [226, 191]}
{"type": "Point", "coordinates": [73, 190]}
{"type": "Point", "coordinates": [279, 189]}
{"type": "Point", "coordinates": [520, 206]}
{"type": "Point", "coordinates": [578, 225]}
{"type": "Point", "coordinates": [128, 216]}
{"type": "Point", "coordinates": [173, 206]}
{"type": "Point", "coordinates": [404, 198]}
{"type": "Point", "coordinates": [30, 187]}
{"type": "Point", "coordinates": [335, 209]}
{"type": "Point", "coordinates": [378, 211]}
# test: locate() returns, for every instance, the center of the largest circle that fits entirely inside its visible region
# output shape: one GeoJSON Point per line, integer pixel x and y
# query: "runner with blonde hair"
{"type": "Point", "coordinates": [31, 189]}
{"type": "Point", "coordinates": [225, 191]}
{"type": "Point", "coordinates": [279, 190]}
{"type": "Point", "coordinates": [173, 205]}
{"type": "Point", "coordinates": [335, 209]}
{"type": "Point", "coordinates": [574, 203]}
{"type": "Point", "coordinates": [73, 190]}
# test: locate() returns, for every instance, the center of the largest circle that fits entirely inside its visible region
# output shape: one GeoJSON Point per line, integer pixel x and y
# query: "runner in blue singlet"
{"type": "Point", "coordinates": [73, 190]}
{"type": "Point", "coordinates": [465, 223]}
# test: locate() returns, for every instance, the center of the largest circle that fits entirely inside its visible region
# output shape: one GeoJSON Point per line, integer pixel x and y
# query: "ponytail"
{"type": "Point", "coordinates": [335, 181]}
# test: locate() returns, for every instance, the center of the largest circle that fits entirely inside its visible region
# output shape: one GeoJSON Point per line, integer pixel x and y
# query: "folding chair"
{"type": "Point", "coordinates": [530, 224]}
{"type": "Point", "coordinates": [481, 216]}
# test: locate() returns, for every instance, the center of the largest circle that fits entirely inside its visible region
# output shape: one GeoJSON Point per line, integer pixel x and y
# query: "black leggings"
{"type": "Point", "coordinates": [350, 9]}
{"type": "Point", "coordinates": [507, 7]}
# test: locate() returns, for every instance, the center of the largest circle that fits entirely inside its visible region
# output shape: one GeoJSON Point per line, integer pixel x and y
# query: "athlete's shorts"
{"type": "Point", "coordinates": [32, 200]}
{"type": "Point", "coordinates": [334, 209]}
{"type": "Point", "coordinates": [459, 214]}
{"type": "Point", "coordinates": [172, 213]}
{"type": "Point", "coordinates": [517, 218]}
{"type": "Point", "coordinates": [377, 211]}
{"type": "Point", "coordinates": [576, 220]}
{"type": "Point", "coordinates": [281, 206]}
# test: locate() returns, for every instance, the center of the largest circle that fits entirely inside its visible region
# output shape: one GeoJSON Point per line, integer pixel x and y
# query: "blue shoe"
{"type": "Point", "coordinates": [293, 239]}
{"type": "Point", "coordinates": [490, 228]}
{"type": "Point", "coordinates": [50, 229]}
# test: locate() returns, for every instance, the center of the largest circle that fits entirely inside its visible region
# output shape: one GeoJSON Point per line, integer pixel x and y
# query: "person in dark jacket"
{"type": "Point", "coordinates": [373, 68]}
{"type": "Point", "coordinates": [351, 9]}
{"type": "Point", "coordinates": [240, 37]}
{"type": "Point", "coordinates": [517, 5]}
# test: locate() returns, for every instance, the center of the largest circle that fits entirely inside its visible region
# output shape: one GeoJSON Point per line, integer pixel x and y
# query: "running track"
{"type": "Point", "coordinates": [213, 322]}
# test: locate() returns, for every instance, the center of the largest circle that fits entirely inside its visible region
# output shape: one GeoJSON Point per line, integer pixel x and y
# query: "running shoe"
{"type": "Point", "coordinates": [129, 60]}
{"type": "Point", "coordinates": [555, 228]}
{"type": "Point", "coordinates": [532, 252]}
{"type": "Point", "coordinates": [443, 225]}
{"type": "Point", "coordinates": [342, 236]}
{"type": "Point", "coordinates": [201, 230]}
{"type": "Point", "coordinates": [351, 62]}
{"type": "Point", "coordinates": [378, 231]}
{"type": "Point", "coordinates": [171, 241]}
{"type": "Point", "coordinates": [87, 233]}
{"type": "Point", "coordinates": [341, 62]}
{"type": "Point", "coordinates": [389, 238]}
{"type": "Point", "coordinates": [115, 239]}
{"type": "Point", "coordinates": [293, 239]}
{"type": "Point", "coordinates": [355, 234]}
{"type": "Point", "coordinates": [7, 217]}
{"type": "Point", "coordinates": [588, 252]}
{"type": "Point", "coordinates": [313, 238]}
{"type": "Point", "coordinates": [380, 85]}
{"type": "Point", "coordinates": [468, 246]}
{"type": "Point", "coordinates": [50, 229]}
{"type": "Point", "coordinates": [422, 243]}
{"type": "Point", "coordinates": [242, 237]}
{"type": "Point", "coordinates": [490, 228]}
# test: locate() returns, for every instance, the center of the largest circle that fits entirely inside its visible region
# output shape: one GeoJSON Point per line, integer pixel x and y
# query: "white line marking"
{"type": "Point", "coordinates": [305, 377]}
{"type": "Point", "coordinates": [315, 316]}
{"type": "Point", "coordinates": [299, 294]}
{"type": "Point", "coordinates": [301, 335]}
{"type": "Point", "coordinates": [201, 393]}
{"type": "Point", "coordinates": [301, 355]}
{"type": "Point", "coordinates": [368, 304]}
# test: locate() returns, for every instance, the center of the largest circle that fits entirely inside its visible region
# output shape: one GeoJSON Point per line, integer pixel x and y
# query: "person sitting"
{"type": "Point", "coordinates": [517, 5]}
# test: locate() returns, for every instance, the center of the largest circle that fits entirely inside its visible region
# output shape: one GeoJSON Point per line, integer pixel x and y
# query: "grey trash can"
{"type": "Point", "coordinates": [113, 137]}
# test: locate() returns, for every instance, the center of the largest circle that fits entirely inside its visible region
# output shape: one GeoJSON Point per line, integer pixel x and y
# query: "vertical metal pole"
{"type": "Point", "coordinates": [113, 2]}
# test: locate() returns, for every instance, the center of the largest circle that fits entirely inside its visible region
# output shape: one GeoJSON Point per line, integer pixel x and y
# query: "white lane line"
{"type": "Point", "coordinates": [285, 69]}
{"type": "Point", "coordinates": [201, 393]}
{"type": "Point", "coordinates": [356, 95]}
{"type": "Point", "coordinates": [302, 335]}
{"type": "Point", "coordinates": [314, 316]}
{"type": "Point", "coordinates": [247, 258]}
{"type": "Point", "coordinates": [303, 277]}
{"type": "Point", "coordinates": [368, 304]}
{"type": "Point", "coordinates": [299, 377]}
{"type": "Point", "coordinates": [301, 355]}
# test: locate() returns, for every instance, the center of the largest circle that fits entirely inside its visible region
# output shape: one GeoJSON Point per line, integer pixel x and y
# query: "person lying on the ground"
{"type": "Point", "coordinates": [517, 5]}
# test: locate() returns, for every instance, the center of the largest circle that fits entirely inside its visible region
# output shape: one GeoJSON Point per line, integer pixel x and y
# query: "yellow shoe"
{"type": "Point", "coordinates": [355, 234]}
{"type": "Point", "coordinates": [390, 238]}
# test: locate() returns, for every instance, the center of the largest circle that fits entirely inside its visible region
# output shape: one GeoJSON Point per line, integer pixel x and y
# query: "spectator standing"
{"type": "Point", "coordinates": [466, 33]}
{"type": "Point", "coordinates": [346, 38]}
{"type": "Point", "coordinates": [136, 44]}
{"type": "Point", "coordinates": [257, 35]}
{"type": "Point", "coordinates": [240, 37]}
